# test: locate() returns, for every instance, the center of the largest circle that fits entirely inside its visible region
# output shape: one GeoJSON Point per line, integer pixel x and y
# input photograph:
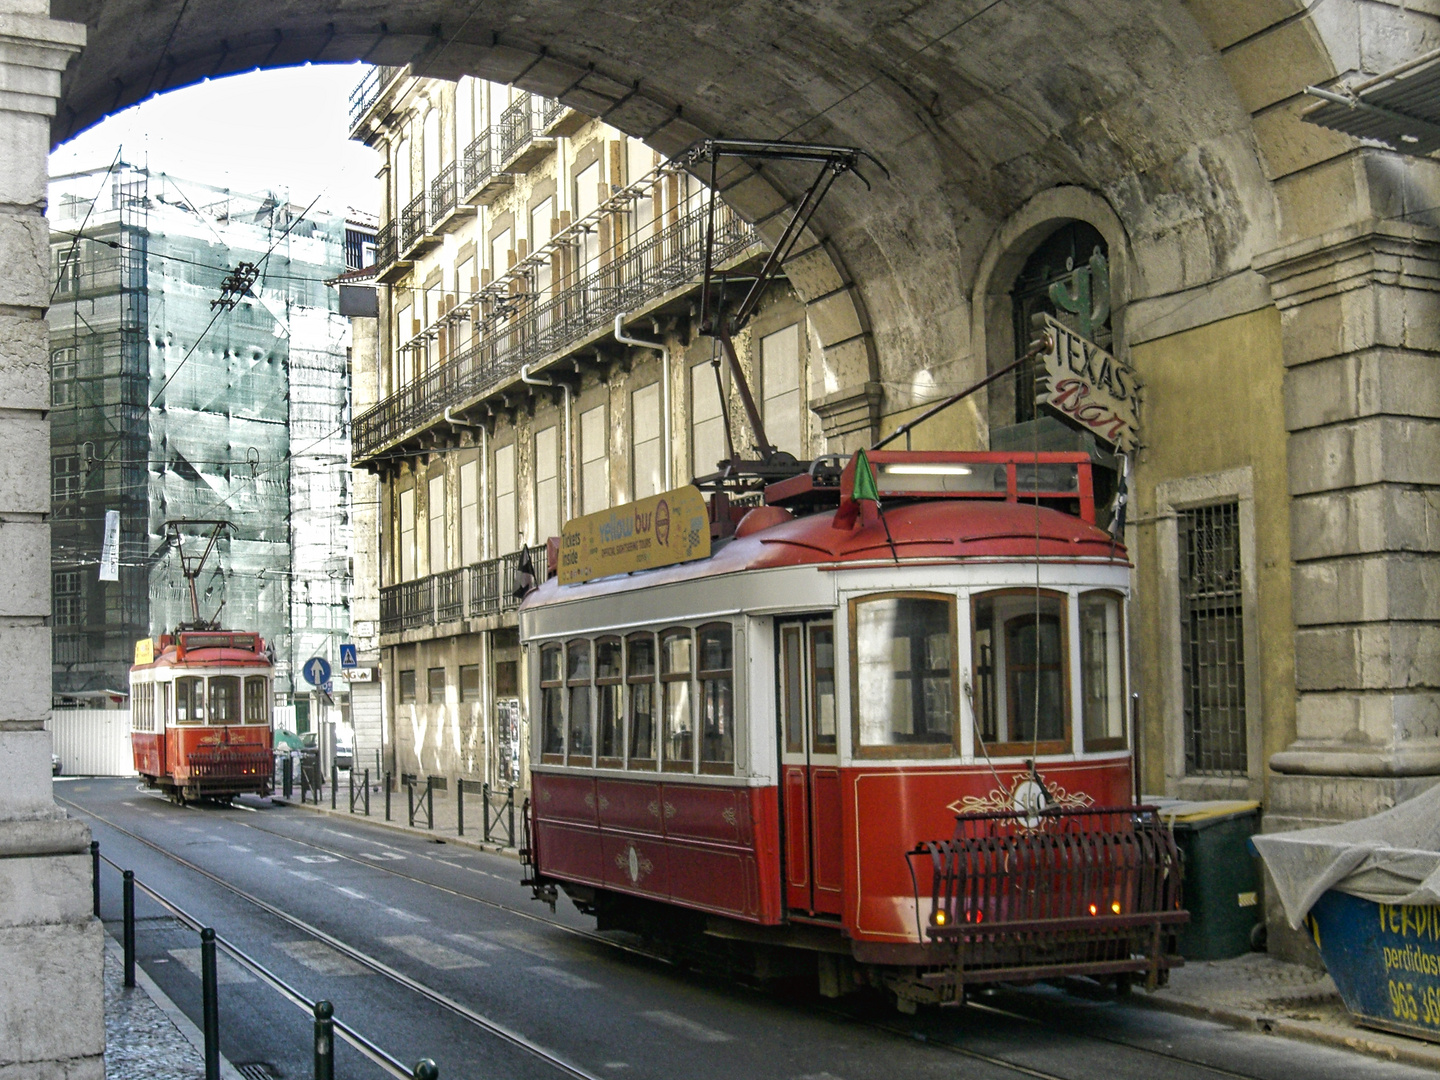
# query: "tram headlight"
{"type": "Point", "coordinates": [1094, 909]}
{"type": "Point", "coordinates": [939, 918]}
{"type": "Point", "coordinates": [1115, 906]}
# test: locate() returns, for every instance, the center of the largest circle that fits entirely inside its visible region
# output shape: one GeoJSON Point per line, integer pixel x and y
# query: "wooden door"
{"type": "Point", "coordinates": [810, 768]}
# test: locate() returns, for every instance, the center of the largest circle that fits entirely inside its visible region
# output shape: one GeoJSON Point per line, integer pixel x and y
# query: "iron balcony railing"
{"type": "Point", "coordinates": [485, 588]}
{"type": "Point", "coordinates": [550, 112]}
{"type": "Point", "coordinates": [541, 323]}
{"type": "Point", "coordinates": [412, 223]}
{"type": "Point", "coordinates": [443, 196]}
{"type": "Point", "coordinates": [482, 161]}
{"type": "Point", "coordinates": [386, 249]}
{"type": "Point", "coordinates": [520, 124]}
{"type": "Point", "coordinates": [367, 91]}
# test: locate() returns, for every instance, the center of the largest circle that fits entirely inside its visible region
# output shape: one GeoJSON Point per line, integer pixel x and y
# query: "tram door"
{"type": "Point", "coordinates": [810, 768]}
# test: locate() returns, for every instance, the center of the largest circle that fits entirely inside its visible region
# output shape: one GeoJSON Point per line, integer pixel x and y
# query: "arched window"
{"type": "Point", "coordinates": [1061, 259]}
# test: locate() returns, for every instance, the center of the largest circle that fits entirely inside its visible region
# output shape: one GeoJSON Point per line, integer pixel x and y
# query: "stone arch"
{"type": "Point", "coordinates": [992, 329]}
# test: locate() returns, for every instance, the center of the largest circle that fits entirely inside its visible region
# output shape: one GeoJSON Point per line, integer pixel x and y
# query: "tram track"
{"type": "Point", "coordinates": [550, 1057]}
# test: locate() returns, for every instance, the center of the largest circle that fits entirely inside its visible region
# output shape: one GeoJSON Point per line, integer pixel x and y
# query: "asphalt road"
{"type": "Point", "coordinates": [457, 923]}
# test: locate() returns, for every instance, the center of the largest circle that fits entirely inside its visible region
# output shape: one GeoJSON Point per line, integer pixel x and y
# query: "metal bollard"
{"type": "Point", "coordinates": [127, 935]}
{"type": "Point", "coordinates": [460, 806]}
{"type": "Point", "coordinates": [485, 790]}
{"type": "Point", "coordinates": [324, 1041]}
{"type": "Point", "coordinates": [334, 783]}
{"type": "Point", "coordinates": [367, 792]}
{"type": "Point", "coordinates": [287, 773]}
{"type": "Point", "coordinates": [303, 785]}
{"type": "Point", "coordinates": [425, 1069]}
{"type": "Point", "coordinates": [510, 808]}
{"type": "Point", "coordinates": [350, 776]}
{"type": "Point", "coordinates": [95, 874]}
{"type": "Point", "coordinates": [387, 796]}
{"type": "Point", "coordinates": [210, 1004]}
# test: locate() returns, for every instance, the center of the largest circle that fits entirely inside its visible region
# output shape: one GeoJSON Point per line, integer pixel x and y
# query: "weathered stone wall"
{"type": "Point", "coordinates": [51, 1019]}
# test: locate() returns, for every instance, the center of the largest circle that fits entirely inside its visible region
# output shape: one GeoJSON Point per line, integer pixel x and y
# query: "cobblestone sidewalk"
{"type": "Point", "coordinates": [141, 1041]}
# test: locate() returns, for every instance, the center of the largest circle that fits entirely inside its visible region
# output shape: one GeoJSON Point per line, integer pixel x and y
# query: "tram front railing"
{"type": "Point", "coordinates": [1035, 894]}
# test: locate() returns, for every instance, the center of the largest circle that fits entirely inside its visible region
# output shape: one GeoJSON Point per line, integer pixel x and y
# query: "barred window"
{"type": "Point", "coordinates": [1212, 640]}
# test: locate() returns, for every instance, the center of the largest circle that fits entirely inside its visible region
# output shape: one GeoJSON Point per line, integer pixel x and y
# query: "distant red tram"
{"type": "Point", "coordinates": [897, 739]}
{"type": "Point", "coordinates": [201, 716]}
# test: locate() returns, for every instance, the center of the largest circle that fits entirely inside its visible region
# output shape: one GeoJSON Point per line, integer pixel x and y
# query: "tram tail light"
{"type": "Point", "coordinates": [1094, 909]}
{"type": "Point", "coordinates": [939, 918]}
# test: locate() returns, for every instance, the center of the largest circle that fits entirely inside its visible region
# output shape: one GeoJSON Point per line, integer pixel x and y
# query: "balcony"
{"type": "Point", "coordinates": [368, 91]}
{"type": "Point", "coordinates": [560, 121]}
{"type": "Point", "coordinates": [391, 268]}
{"type": "Point", "coordinates": [447, 212]}
{"type": "Point", "coordinates": [483, 179]}
{"type": "Point", "coordinates": [416, 237]}
{"type": "Point", "coordinates": [472, 592]}
{"type": "Point", "coordinates": [521, 145]}
{"type": "Point", "coordinates": [526, 327]}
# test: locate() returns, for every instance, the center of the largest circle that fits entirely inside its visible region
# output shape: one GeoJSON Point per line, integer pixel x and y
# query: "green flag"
{"type": "Point", "coordinates": [865, 490]}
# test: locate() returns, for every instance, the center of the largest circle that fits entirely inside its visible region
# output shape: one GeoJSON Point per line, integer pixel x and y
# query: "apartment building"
{"type": "Point", "coordinates": [536, 358]}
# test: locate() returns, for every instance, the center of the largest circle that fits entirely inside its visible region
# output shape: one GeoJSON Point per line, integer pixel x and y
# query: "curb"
{"type": "Point", "coordinates": [399, 827]}
{"type": "Point", "coordinates": [172, 1012]}
{"type": "Point", "coordinates": [1371, 1043]}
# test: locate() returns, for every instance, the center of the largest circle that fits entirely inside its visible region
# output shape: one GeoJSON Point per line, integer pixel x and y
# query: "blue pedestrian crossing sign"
{"type": "Point", "coordinates": [316, 671]}
{"type": "Point", "coordinates": [347, 656]}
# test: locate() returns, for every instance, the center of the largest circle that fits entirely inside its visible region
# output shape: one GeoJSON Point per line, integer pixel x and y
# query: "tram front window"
{"type": "Point", "coordinates": [717, 709]}
{"type": "Point", "coordinates": [609, 679]}
{"type": "Point", "coordinates": [190, 700]}
{"type": "Point", "coordinates": [677, 736]}
{"type": "Point", "coordinates": [1021, 671]}
{"type": "Point", "coordinates": [582, 738]}
{"type": "Point", "coordinates": [640, 707]}
{"type": "Point", "coordinates": [257, 700]}
{"type": "Point", "coordinates": [552, 706]}
{"type": "Point", "coordinates": [225, 699]}
{"type": "Point", "coordinates": [904, 649]}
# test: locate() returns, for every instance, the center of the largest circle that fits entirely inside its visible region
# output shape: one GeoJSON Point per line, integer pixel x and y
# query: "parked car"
{"type": "Point", "coordinates": [344, 752]}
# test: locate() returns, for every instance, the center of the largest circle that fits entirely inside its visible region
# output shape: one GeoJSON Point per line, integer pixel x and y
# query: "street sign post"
{"type": "Point", "coordinates": [316, 671]}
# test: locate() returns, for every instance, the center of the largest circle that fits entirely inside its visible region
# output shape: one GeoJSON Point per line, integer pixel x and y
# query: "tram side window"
{"type": "Point", "coordinates": [225, 699]}
{"type": "Point", "coordinates": [164, 715]}
{"type": "Point", "coordinates": [1102, 673]}
{"type": "Point", "coordinates": [905, 661]}
{"type": "Point", "coordinates": [1021, 674]}
{"type": "Point", "coordinates": [577, 679]}
{"type": "Point", "coordinates": [677, 734]}
{"type": "Point", "coordinates": [609, 687]}
{"type": "Point", "coordinates": [717, 698]}
{"type": "Point", "coordinates": [190, 700]}
{"type": "Point", "coordinates": [552, 707]}
{"type": "Point", "coordinates": [257, 700]}
{"type": "Point", "coordinates": [640, 704]}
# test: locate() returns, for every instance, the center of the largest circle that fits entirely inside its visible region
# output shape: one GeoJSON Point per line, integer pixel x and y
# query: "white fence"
{"type": "Point", "coordinates": [92, 742]}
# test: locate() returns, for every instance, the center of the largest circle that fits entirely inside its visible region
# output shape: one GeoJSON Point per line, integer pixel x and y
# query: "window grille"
{"type": "Point", "coordinates": [1212, 641]}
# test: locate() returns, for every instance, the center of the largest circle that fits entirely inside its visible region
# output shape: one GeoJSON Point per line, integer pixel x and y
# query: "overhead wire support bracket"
{"type": "Point", "coordinates": [237, 285]}
{"type": "Point", "coordinates": [833, 161]}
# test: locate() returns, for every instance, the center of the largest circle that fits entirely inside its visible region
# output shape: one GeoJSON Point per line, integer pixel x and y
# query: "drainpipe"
{"type": "Point", "coordinates": [666, 421]}
{"type": "Point", "coordinates": [549, 380]}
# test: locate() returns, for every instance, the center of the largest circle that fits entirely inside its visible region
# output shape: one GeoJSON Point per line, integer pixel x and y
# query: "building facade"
{"type": "Point", "coordinates": [537, 358]}
{"type": "Point", "coordinates": [180, 391]}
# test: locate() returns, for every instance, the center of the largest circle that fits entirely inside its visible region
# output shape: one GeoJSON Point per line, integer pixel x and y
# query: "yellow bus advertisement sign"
{"type": "Point", "coordinates": [145, 651]}
{"type": "Point", "coordinates": [665, 529]}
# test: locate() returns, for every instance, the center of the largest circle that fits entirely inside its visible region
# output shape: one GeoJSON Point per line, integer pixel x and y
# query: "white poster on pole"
{"type": "Point", "coordinates": [110, 549]}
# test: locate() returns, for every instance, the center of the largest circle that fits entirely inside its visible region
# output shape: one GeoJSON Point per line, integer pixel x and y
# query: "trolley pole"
{"type": "Point", "coordinates": [95, 874]}
{"type": "Point", "coordinates": [127, 935]}
{"type": "Point", "coordinates": [324, 1041]}
{"type": "Point", "coordinates": [210, 1003]}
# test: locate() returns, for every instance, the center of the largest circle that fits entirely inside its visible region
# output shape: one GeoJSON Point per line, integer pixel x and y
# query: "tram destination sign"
{"type": "Point", "coordinates": [1088, 387]}
{"type": "Point", "coordinates": [665, 529]}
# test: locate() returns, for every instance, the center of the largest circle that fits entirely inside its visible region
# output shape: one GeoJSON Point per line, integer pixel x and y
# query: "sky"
{"type": "Point", "coordinates": [284, 128]}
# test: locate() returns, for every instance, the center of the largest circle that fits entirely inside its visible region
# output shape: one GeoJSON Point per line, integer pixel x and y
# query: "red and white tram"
{"type": "Point", "coordinates": [200, 710]}
{"type": "Point", "coordinates": [898, 739]}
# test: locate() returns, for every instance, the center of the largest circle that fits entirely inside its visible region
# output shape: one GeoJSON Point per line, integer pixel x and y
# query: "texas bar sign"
{"type": "Point", "coordinates": [663, 530]}
{"type": "Point", "coordinates": [1087, 386]}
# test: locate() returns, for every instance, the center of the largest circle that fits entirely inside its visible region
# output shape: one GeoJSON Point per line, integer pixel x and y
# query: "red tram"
{"type": "Point", "coordinates": [200, 711]}
{"type": "Point", "coordinates": [897, 738]}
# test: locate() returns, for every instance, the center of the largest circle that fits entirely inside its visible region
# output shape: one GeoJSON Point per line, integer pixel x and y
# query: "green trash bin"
{"type": "Point", "coordinates": [1222, 884]}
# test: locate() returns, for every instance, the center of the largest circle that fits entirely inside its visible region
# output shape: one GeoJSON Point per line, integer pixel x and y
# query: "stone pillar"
{"type": "Point", "coordinates": [1360, 311]}
{"type": "Point", "coordinates": [51, 1016]}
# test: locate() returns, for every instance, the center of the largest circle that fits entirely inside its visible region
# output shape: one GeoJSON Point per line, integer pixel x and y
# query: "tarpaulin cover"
{"type": "Point", "coordinates": [1391, 858]}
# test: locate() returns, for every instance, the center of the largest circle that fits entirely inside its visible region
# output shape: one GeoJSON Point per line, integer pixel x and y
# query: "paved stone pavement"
{"type": "Point", "coordinates": [141, 1041]}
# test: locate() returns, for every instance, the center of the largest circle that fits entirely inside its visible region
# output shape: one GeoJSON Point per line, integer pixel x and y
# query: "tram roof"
{"type": "Point", "coordinates": [206, 651]}
{"type": "Point", "coordinates": [921, 532]}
